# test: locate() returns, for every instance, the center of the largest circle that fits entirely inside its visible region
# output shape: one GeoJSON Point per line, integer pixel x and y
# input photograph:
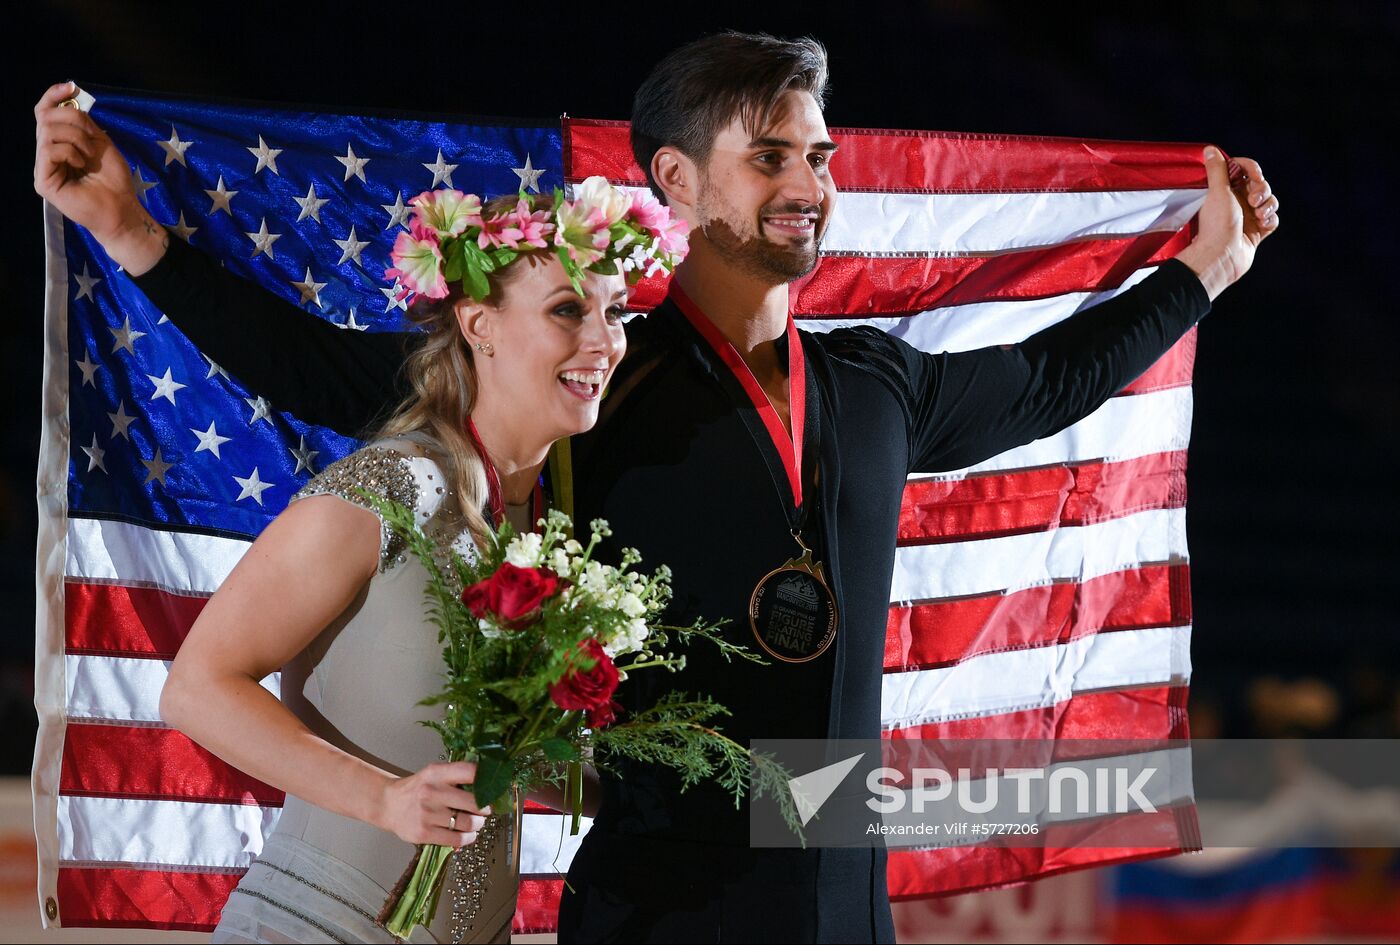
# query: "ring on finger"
{"type": "Point", "coordinates": [452, 821]}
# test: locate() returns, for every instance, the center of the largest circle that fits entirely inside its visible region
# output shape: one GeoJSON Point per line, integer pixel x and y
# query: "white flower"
{"type": "Point", "coordinates": [594, 579]}
{"type": "Point", "coordinates": [597, 193]}
{"type": "Point", "coordinates": [524, 550]}
{"type": "Point", "coordinates": [559, 562]}
{"type": "Point", "coordinates": [631, 605]}
{"type": "Point", "coordinates": [573, 547]}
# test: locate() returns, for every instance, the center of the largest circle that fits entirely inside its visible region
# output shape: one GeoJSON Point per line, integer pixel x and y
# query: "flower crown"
{"type": "Point", "coordinates": [603, 229]}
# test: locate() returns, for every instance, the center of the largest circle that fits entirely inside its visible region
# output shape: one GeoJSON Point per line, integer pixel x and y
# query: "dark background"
{"type": "Point", "coordinates": [1293, 472]}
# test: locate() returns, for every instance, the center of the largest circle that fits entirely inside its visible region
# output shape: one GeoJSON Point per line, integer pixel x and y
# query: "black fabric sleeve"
{"type": "Point", "coordinates": [965, 407]}
{"type": "Point", "coordinates": [322, 374]}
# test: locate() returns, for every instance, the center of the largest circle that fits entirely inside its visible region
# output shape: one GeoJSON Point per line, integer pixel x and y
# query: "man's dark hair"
{"type": "Point", "coordinates": [700, 88]}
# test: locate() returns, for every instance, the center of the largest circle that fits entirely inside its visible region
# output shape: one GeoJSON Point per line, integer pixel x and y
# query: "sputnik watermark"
{"type": "Point", "coordinates": [935, 785]}
{"type": "Point", "coordinates": [925, 794]}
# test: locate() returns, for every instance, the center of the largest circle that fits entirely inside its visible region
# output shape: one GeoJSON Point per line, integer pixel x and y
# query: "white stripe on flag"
{"type": "Point", "coordinates": [1074, 553]}
{"type": "Point", "coordinates": [1010, 681]}
{"type": "Point", "coordinates": [1123, 428]}
{"type": "Point", "coordinates": [136, 556]}
{"type": "Point", "coordinates": [979, 324]}
{"type": "Point", "coordinates": [163, 833]}
{"type": "Point", "coordinates": [873, 223]}
{"type": "Point", "coordinates": [122, 688]}
{"type": "Point", "coordinates": [546, 846]}
{"type": "Point", "coordinates": [868, 223]}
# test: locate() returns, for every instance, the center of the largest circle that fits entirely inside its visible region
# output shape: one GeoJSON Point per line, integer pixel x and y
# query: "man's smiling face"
{"type": "Point", "coordinates": [765, 199]}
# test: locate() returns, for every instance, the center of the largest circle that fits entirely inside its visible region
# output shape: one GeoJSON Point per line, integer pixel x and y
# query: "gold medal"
{"type": "Point", "coordinates": [792, 610]}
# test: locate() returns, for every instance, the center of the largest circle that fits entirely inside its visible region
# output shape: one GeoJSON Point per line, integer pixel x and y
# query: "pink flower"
{"type": "Point", "coordinates": [583, 231]}
{"type": "Point", "coordinates": [417, 259]}
{"type": "Point", "coordinates": [515, 227]}
{"type": "Point", "coordinates": [670, 232]}
{"type": "Point", "coordinates": [648, 211]}
{"type": "Point", "coordinates": [674, 239]}
{"type": "Point", "coordinates": [492, 231]}
{"type": "Point", "coordinates": [447, 212]}
{"type": "Point", "coordinates": [531, 227]}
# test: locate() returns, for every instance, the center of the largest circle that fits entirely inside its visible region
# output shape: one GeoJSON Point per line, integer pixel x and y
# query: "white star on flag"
{"type": "Point", "coordinates": [156, 467]}
{"type": "Point", "coordinates": [140, 184]}
{"type": "Point", "coordinates": [85, 283]}
{"type": "Point", "coordinates": [88, 368]}
{"type": "Point", "coordinates": [350, 323]}
{"type": "Point", "coordinates": [209, 440]}
{"type": "Point", "coordinates": [304, 457]}
{"type": "Point", "coordinates": [165, 386]}
{"type": "Point", "coordinates": [350, 248]}
{"type": "Point", "coordinates": [125, 336]}
{"type": "Point", "coordinates": [310, 205]}
{"type": "Point", "coordinates": [95, 454]}
{"type": "Point", "coordinates": [310, 289]}
{"type": "Point", "coordinates": [262, 410]}
{"type": "Point", "coordinates": [175, 148]}
{"type": "Point", "coordinates": [529, 175]}
{"type": "Point", "coordinates": [214, 369]}
{"type": "Point", "coordinates": [267, 157]}
{"type": "Point", "coordinates": [183, 229]}
{"type": "Point", "coordinates": [391, 293]}
{"type": "Point", "coordinates": [442, 171]}
{"type": "Point", "coordinates": [253, 487]}
{"type": "Point", "coordinates": [398, 212]}
{"type": "Point", "coordinates": [354, 166]}
{"type": "Point", "coordinates": [120, 421]}
{"type": "Point", "coordinates": [263, 240]}
{"type": "Point", "coordinates": [221, 196]}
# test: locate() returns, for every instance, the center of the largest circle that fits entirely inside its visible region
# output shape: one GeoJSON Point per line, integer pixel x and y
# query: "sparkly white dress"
{"type": "Point", "coordinates": [323, 877]}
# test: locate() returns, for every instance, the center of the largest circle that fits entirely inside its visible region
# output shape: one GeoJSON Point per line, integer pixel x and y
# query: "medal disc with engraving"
{"type": "Point", "coordinates": [793, 614]}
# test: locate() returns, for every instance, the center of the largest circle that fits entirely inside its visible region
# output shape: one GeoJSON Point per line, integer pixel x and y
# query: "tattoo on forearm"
{"type": "Point", "coordinates": [152, 230]}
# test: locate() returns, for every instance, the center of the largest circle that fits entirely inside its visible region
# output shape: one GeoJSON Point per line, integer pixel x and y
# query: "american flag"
{"type": "Point", "coordinates": [1041, 594]}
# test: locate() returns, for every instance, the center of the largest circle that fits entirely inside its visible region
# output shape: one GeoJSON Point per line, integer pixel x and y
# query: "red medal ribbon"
{"type": "Point", "coordinates": [789, 448]}
{"type": "Point", "coordinates": [494, 497]}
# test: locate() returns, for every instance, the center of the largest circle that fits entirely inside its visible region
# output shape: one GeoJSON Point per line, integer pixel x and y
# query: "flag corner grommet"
{"type": "Point", "coordinates": [51, 908]}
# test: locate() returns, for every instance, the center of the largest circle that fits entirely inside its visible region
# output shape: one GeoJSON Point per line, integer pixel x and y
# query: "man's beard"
{"type": "Point", "coordinates": [756, 255]}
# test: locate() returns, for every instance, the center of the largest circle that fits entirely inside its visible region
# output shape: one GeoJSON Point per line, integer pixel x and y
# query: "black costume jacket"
{"type": "Point", "coordinates": [683, 469]}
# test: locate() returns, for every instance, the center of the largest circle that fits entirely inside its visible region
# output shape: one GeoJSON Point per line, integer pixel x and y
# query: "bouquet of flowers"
{"type": "Point", "coordinates": [535, 646]}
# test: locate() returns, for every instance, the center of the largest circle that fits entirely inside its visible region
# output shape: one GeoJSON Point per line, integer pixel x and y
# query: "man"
{"type": "Point", "coordinates": [722, 449]}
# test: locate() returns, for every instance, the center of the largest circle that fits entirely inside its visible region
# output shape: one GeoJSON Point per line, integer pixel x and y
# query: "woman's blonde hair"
{"type": "Point", "coordinates": [443, 376]}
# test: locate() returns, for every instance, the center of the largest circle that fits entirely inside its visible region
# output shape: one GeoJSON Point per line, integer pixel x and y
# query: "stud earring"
{"type": "Point", "coordinates": [485, 349]}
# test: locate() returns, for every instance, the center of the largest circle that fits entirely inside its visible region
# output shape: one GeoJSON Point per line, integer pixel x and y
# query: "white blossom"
{"type": "Point", "coordinates": [524, 551]}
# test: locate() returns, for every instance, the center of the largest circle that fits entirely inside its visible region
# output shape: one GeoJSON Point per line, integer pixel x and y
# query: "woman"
{"type": "Point", "coordinates": [516, 357]}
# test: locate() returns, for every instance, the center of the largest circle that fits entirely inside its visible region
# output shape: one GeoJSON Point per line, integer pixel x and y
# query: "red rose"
{"type": "Point", "coordinates": [604, 715]}
{"type": "Point", "coordinates": [589, 689]}
{"type": "Point", "coordinates": [511, 594]}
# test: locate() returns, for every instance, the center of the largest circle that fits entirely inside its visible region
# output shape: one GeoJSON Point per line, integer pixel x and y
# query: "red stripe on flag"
{"type": "Point", "coordinates": [1172, 369]}
{"type": "Point", "coordinates": [142, 899]}
{"type": "Point", "coordinates": [537, 905]}
{"type": "Point", "coordinates": [938, 511]}
{"type": "Point", "coordinates": [856, 286]}
{"type": "Point", "coordinates": [914, 874]}
{"type": "Point", "coordinates": [153, 764]}
{"type": "Point", "coordinates": [110, 620]}
{"type": "Point", "coordinates": [946, 632]}
{"type": "Point", "coordinates": [847, 287]}
{"type": "Point", "coordinates": [937, 162]}
{"type": "Point", "coordinates": [1151, 712]}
